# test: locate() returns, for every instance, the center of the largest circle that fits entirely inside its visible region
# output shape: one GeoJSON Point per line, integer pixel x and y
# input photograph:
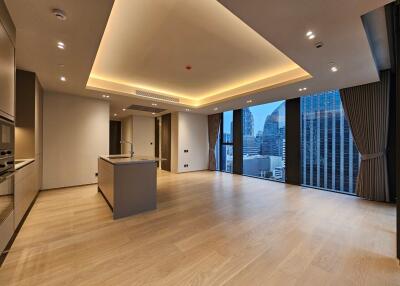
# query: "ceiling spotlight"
{"type": "Point", "coordinates": [302, 88]}
{"type": "Point", "coordinates": [115, 114]}
{"type": "Point", "coordinates": [310, 35]}
{"type": "Point", "coordinates": [123, 109]}
{"type": "Point", "coordinates": [104, 96]}
{"type": "Point", "coordinates": [334, 69]}
{"type": "Point", "coordinates": [63, 78]}
{"type": "Point", "coordinates": [215, 108]}
{"type": "Point", "coordinates": [154, 104]}
{"type": "Point", "coordinates": [249, 101]}
{"type": "Point", "coordinates": [107, 96]}
{"type": "Point", "coordinates": [61, 45]}
{"type": "Point", "coordinates": [187, 109]}
{"type": "Point", "coordinates": [153, 113]}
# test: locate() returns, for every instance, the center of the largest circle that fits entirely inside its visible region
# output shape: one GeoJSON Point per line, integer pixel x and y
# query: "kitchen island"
{"type": "Point", "coordinates": [128, 184]}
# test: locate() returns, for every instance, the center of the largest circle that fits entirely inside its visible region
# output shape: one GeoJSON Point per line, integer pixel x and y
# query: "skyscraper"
{"type": "Point", "coordinates": [250, 146]}
{"type": "Point", "coordinates": [248, 122]}
{"type": "Point", "coordinates": [330, 159]}
{"type": "Point", "coordinates": [274, 132]}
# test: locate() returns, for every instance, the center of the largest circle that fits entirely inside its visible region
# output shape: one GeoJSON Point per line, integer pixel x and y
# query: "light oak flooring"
{"type": "Point", "coordinates": [209, 229]}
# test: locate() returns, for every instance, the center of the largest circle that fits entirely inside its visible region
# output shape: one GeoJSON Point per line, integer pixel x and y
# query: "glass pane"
{"type": "Point", "coordinates": [264, 141]}
{"type": "Point", "coordinates": [329, 157]}
{"type": "Point", "coordinates": [228, 127]}
{"type": "Point", "coordinates": [226, 163]}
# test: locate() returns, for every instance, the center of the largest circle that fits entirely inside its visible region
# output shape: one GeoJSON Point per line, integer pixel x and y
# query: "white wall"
{"type": "Point", "coordinates": [143, 135]}
{"type": "Point", "coordinates": [192, 135]}
{"type": "Point", "coordinates": [75, 133]}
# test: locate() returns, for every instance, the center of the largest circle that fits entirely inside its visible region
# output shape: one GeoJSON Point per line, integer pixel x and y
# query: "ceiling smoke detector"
{"type": "Point", "coordinates": [319, 45]}
{"type": "Point", "coordinates": [60, 14]}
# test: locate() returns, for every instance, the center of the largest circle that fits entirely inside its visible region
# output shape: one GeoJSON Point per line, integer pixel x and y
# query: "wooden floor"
{"type": "Point", "coordinates": [209, 229]}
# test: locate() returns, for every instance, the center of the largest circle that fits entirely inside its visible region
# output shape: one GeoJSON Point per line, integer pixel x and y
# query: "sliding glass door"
{"type": "Point", "coordinates": [264, 141]}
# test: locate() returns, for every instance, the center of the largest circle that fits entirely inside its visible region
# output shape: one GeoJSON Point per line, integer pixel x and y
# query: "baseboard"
{"type": "Point", "coordinates": [67, 187]}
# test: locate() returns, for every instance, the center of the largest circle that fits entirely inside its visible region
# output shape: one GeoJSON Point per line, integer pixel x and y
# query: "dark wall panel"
{"type": "Point", "coordinates": [166, 142]}
{"type": "Point", "coordinates": [237, 142]}
{"type": "Point", "coordinates": [115, 137]}
{"type": "Point", "coordinates": [156, 139]}
{"type": "Point", "coordinates": [293, 172]}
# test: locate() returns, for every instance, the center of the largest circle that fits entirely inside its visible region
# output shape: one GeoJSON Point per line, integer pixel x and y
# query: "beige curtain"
{"type": "Point", "coordinates": [214, 122]}
{"type": "Point", "coordinates": [367, 110]}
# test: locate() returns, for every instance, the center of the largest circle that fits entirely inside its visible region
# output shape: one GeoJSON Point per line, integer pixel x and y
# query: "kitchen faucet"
{"type": "Point", "coordinates": [130, 143]}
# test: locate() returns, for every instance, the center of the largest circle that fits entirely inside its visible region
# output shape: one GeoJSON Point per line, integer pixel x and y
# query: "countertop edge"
{"type": "Point", "coordinates": [23, 164]}
{"type": "Point", "coordinates": [127, 162]}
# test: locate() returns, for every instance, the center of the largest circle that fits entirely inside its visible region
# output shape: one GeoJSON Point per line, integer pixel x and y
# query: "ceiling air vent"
{"type": "Point", "coordinates": [145, 108]}
{"type": "Point", "coordinates": [156, 96]}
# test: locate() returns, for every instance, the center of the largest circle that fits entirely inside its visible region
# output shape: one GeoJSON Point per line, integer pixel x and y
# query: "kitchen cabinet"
{"type": "Point", "coordinates": [25, 189]}
{"type": "Point", "coordinates": [7, 75]}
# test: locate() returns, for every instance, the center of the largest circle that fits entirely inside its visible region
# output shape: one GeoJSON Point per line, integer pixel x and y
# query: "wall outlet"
{"type": "Point", "coordinates": [186, 165]}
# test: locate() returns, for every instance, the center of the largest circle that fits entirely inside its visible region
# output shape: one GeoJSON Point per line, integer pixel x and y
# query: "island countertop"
{"type": "Point", "coordinates": [127, 159]}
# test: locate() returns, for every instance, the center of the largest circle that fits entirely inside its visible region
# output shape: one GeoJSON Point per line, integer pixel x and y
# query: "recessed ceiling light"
{"type": "Point", "coordinates": [334, 69]}
{"type": "Point", "coordinates": [63, 78]}
{"type": "Point", "coordinates": [310, 35]}
{"type": "Point", "coordinates": [61, 45]}
{"type": "Point", "coordinates": [123, 109]}
{"type": "Point", "coordinates": [249, 101]}
{"type": "Point", "coordinates": [115, 114]}
{"type": "Point", "coordinates": [107, 96]}
{"type": "Point", "coordinates": [187, 109]}
{"type": "Point", "coordinates": [215, 108]}
{"type": "Point", "coordinates": [153, 113]}
{"type": "Point", "coordinates": [154, 104]}
{"type": "Point", "coordinates": [302, 88]}
{"type": "Point", "coordinates": [104, 96]}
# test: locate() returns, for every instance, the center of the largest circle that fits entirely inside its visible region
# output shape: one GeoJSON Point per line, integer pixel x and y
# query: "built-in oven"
{"type": "Point", "coordinates": [6, 168]}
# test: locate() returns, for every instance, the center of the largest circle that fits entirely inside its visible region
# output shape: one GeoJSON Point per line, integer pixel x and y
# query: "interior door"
{"type": "Point", "coordinates": [166, 142]}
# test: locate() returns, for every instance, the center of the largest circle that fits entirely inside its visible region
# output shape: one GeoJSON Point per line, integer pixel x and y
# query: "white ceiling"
{"type": "Point", "coordinates": [283, 23]}
{"type": "Point", "coordinates": [148, 45]}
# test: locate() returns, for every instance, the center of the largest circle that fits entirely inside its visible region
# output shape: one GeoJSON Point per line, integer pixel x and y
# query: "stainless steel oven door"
{"type": "Point", "coordinates": [6, 137]}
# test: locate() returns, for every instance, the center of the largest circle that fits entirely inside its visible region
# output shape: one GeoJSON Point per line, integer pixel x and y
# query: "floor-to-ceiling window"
{"type": "Point", "coordinates": [329, 157]}
{"type": "Point", "coordinates": [226, 141]}
{"type": "Point", "coordinates": [264, 141]}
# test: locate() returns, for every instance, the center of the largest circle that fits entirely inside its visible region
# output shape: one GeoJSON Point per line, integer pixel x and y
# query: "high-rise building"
{"type": "Point", "coordinates": [248, 122]}
{"type": "Point", "coordinates": [330, 159]}
{"type": "Point", "coordinates": [250, 146]}
{"type": "Point", "coordinates": [274, 132]}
